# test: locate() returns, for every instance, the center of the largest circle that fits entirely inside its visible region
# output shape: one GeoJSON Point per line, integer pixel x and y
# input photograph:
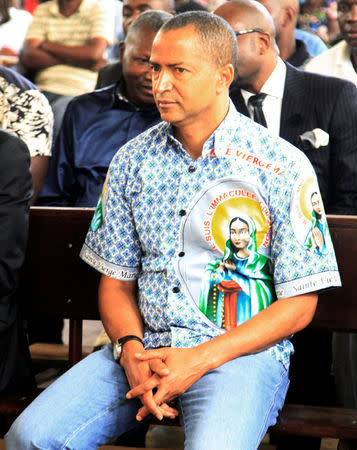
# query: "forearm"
{"type": "Point", "coordinates": [35, 58]}
{"type": "Point", "coordinates": [118, 308]}
{"type": "Point", "coordinates": [85, 56]}
{"type": "Point", "coordinates": [281, 319]}
{"type": "Point", "coordinates": [39, 166]}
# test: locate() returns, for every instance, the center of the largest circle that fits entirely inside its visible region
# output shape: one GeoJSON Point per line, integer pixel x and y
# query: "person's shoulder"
{"type": "Point", "coordinates": [94, 5]}
{"type": "Point", "coordinates": [252, 137]}
{"type": "Point", "coordinates": [15, 78]}
{"type": "Point", "coordinates": [45, 8]}
{"type": "Point", "coordinates": [317, 80]}
{"type": "Point", "coordinates": [149, 141]}
{"type": "Point", "coordinates": [327, 56]}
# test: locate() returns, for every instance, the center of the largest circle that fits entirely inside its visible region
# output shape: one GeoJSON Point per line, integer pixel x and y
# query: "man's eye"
{"type": "Point", "coordinates": [127, 14]}
{"type": "Point", "coordinates": [180, 69]}
{"type": "Point", "coordinates": [155, 67]}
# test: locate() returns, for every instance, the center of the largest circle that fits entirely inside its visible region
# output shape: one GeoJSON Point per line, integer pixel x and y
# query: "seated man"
{"type": "Point", "coordinates": [26, 113]}
{"type": "Point", "coordinates": [97, 124]}
{"type": "Point", "coordinates": [65, 45]}
{"type": "Point", "coordinates": [206, 202]}
{"type": "Point", "coordinates": [131, 9]}
{"type": "Point", "coordinates": [16, 192]}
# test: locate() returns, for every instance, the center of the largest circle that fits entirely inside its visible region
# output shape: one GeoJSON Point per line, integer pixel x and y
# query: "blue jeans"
{"type": "Point", "coordinates": [230, 407]}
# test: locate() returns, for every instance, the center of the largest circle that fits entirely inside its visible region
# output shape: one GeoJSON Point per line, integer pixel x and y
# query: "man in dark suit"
{"type": "Point", "coordinates": [16, 192]}
{"type": "Point", "coordinates": [318, 115]}
{"type": "Point", "coordinates": [315, 113]}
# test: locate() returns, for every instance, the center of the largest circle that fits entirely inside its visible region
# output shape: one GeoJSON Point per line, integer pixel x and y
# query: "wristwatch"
{"type": "Point", "coordinates": [118, 345]}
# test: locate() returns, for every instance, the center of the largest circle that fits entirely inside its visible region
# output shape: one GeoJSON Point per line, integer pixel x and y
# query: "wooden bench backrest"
{"type": "Point", "coordinates": [56, 282]}
{"type": "Point", "coordinates": [337, 308]}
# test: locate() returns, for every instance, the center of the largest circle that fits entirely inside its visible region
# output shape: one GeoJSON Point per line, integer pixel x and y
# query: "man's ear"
{"type": "Point", "coordinates": [121, 51]}
{"type": "Point", "coordinates": [226, 76]}
{"type": "Point", "coordinates": [263, 42]}
{"type": "Point", "coordinates": [287, 17]}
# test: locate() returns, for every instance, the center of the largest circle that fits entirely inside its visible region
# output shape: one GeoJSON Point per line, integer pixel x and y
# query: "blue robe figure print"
{"type": "Point", "coordinates": [235, 288]}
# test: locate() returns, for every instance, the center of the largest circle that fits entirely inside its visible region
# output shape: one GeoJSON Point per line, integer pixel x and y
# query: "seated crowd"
{"type": "Point", "coordinates": [173, 119]}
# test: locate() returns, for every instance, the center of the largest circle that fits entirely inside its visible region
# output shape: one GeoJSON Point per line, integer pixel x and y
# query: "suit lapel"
{"type": "Point", "coordinates": [293, 113]}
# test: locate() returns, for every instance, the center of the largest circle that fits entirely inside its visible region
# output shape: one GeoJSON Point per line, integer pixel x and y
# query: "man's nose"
{"type": "Point", "coordinates": [163, 82]}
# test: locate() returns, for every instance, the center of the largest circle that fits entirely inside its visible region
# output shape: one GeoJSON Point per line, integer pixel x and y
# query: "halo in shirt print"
{"type": "Point", "coordinates": [308, 217]}
{"type": "Point", "coordinates": [99, 213]}
{"type": "Point", "coordinates": [238, 284]}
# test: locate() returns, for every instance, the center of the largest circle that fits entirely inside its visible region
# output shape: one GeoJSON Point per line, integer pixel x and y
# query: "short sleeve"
{"type": "Point", "coordinates": [302, 251]}
{"type": "Point", "coordinates": [112, 245]}
{"type": "Point", "coordinates": [30, 117]}
{"type": "Point", "coordinates": [37, 29]}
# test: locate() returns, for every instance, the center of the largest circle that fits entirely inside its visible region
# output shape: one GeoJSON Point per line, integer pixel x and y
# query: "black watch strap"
{"type": "Point", "coordinates": [118, 345]}
{"type": "Point", "coordinates": [129, 337]}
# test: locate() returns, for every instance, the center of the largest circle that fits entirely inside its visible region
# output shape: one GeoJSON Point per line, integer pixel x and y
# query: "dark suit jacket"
{"type": "Point", "coordinates": [15, 195]}
{"type": "Point", "coordinates": [109, 74]}
{"type": "Point", "coordinates": [315, 101]}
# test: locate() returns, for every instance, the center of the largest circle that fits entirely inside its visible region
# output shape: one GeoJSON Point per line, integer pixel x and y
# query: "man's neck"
{"type": "Point", "coordinates": [287, 45]}
{"type": "Point", "coordinates": [257, 81]}
{"type": "Point", "coordinates": [193, 135]}
{"type": "Point", "coordinates": [68, 7]}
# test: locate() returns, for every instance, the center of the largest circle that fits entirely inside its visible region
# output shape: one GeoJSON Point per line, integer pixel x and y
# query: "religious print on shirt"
{"type": "Point", "coordinates": [308, 217]}
{"type": "Point", "coordinates": [235, 277]}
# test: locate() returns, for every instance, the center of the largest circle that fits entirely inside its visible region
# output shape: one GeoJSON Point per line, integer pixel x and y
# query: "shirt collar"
{"type": "Point", "coordinates": [222, 136]}
{"type": "Point", "coordinates": [219, 140]}
{"type": "Point", "coordinates": [54, 7]}
{"type": "Point", "coordinates": [274, 85]}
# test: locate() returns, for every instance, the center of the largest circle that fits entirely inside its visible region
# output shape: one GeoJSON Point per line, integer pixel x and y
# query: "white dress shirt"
{"type": "Point", "coordinates": [274, 88]}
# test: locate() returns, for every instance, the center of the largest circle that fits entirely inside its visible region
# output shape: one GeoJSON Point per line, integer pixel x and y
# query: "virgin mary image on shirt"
{"type": "Point", "coordinates": [238, 283]}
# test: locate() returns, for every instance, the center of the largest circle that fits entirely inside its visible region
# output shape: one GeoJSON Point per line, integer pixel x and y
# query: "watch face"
{"type": "Point", "coordinates": [116, 351]}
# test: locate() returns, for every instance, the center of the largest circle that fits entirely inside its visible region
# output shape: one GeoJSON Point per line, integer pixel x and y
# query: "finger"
{"type": "Point", "coordinates": [150, 407]}
{"type": "Point", "coordinates": [148, 385]}
{"type": "Point", "coordinates": [150, 354]}
{"type": "Point", "coordinates": [169, 411]}
{"type": "Point", "coordinates": [166, 411]}
{"type": "Point", "coordinates": [159, 367]}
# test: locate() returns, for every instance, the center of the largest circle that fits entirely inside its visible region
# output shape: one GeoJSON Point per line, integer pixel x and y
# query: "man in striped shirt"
{"type": "Point", "coordinates": [66, 46]}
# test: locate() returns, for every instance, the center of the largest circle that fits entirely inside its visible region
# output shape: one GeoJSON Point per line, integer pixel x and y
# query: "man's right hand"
{"type": "Point", "coordinates": [137, 372]}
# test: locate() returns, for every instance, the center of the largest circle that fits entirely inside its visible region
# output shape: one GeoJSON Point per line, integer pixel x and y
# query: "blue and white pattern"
{"type": "Point", "coordinates": [154, 219]}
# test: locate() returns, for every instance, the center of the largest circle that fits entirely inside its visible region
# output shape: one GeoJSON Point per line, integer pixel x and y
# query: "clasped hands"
{"type": "Point", "coordinates": [174, 370]}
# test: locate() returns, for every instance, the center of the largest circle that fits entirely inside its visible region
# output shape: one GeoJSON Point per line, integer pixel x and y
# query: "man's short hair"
{"type": "Point", "coordinates": [215, 34]}
{"type": "Point", "coordinates": [153, 20]}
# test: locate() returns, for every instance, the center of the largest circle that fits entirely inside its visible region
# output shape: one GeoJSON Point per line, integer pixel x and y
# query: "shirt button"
{"type": "Point", "coordinates": [182, 212]}
{"type": "Point", "coordinates": [191, 169]}
{"type": "Point", "coordinates": [175, 290]}
{"type": "Point", "coordinates": [181, 254]}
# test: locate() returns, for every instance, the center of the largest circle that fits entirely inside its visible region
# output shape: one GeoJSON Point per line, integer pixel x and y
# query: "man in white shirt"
{"type": "Point", "coordinates": [341, 59]}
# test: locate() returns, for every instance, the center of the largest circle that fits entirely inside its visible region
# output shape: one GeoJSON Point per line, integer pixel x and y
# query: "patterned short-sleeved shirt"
{"type": "Point", "coordinates": [215, 240]}
{"type": "Point", "coordinates": [25, 112]}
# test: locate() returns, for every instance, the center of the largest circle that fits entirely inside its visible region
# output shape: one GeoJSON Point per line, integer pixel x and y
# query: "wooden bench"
{"type": "Point", "coordinates": [56, 283]}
